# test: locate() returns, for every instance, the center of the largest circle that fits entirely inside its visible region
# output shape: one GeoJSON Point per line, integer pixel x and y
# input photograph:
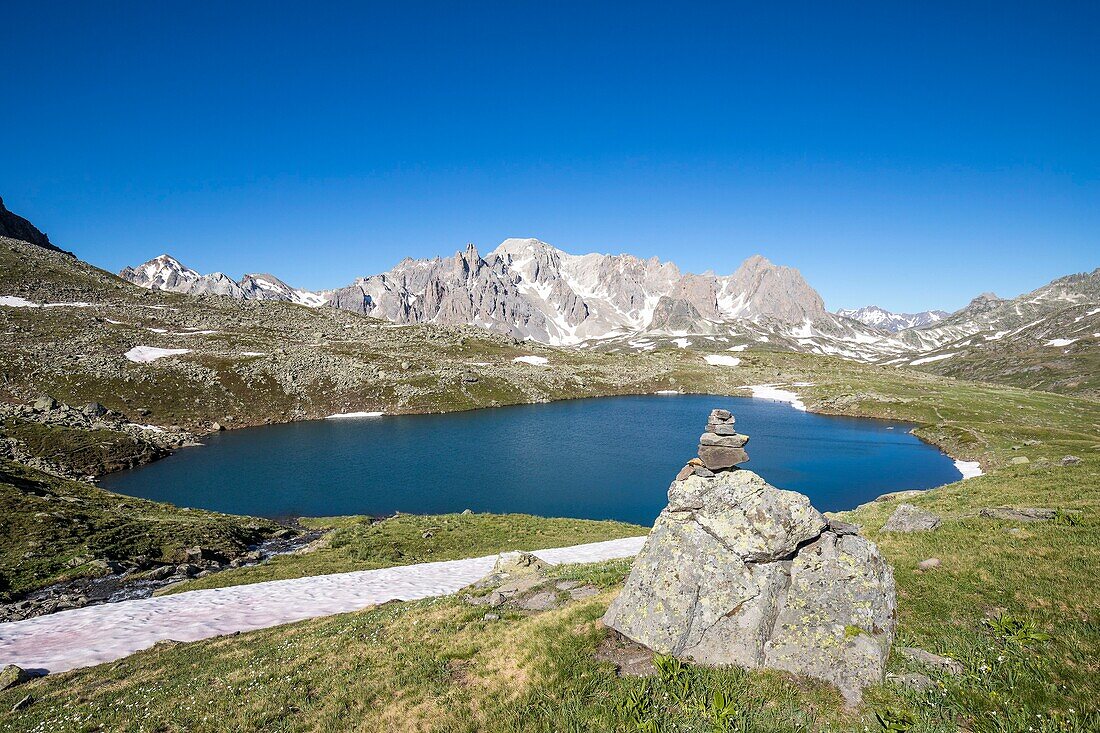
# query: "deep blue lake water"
{"type": "Point", "coordinates": [606, 458]}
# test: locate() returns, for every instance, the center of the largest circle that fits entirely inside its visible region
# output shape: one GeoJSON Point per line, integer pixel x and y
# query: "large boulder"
{"type": "Point", "coordinates": [739, 572]}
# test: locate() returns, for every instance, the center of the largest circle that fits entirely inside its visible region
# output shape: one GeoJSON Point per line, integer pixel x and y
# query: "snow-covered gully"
{"type": "Point", "coordinates": [96, 634]}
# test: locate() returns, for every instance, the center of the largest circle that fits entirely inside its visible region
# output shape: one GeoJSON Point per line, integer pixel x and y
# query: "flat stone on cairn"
{"type": "Point", "coordinates": [721, 447]}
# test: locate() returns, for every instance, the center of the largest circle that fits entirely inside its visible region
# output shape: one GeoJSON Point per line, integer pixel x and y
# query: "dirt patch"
{"type": "Point", "coordinates": [630, 658]}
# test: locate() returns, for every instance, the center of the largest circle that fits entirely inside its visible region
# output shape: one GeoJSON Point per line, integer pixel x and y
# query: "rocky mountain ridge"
{"type": "Point", "coordinates": [877, 317]}
{"type": "Point", "coordinates": [167, 273]}
{"type": "Point", "coordinates": [14, 226]}
{"type": "Point", "coordinates": [530, 290]}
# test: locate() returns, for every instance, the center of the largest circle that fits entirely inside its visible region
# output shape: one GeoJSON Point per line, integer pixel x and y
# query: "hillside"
{"type": "Point", "coordinates": [527, 289]}
{"type": "Point", "coordinates": [548, 671]}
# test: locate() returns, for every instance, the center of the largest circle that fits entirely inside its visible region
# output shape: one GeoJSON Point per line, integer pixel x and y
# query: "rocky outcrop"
{"type": "Point", "coordinates": [121, 444]}
{"type": "Point", "coordinates": [14, 226]}
{"type": "Point", "coordinates": [739, 572]}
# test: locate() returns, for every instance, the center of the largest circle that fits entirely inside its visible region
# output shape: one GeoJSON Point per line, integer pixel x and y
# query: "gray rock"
{"type": "Point", "coordinates": [491, 617]}
{"type": "Point", "coordinates": [22, 704]}
{"type": "Point", "coordinates": [930, 660]}
{"type": "Point", "coordinates": [509, 563]}
{"type": "Point", "coordinates": [1070, 460]}
{"type": "Point", "coordinates": [722, 429]}
{"type": "Point", "coordinates": [702, 472]}
{"type": "Point", "coordinates": [930, 564]}
{"type": "Point", "coordinates": [728, 441]}
{"type": "Point", "coordinates": [94, 409]}
{"type": "Point", "coordinates": [837, 526]}
{"type": "Point", "coordinates": [541, 601]}
{"type": "Point", "coordinates": [567, 584]}
{"type": "Point", "coordinates": [13, 675]}
{"type": "Point", "coordinates": [716, 457]}
{"type": "Point", "coordinates": [908, 518]}
{"type": "Point", "coordinates": [217, 427]}
{"type": "Point", "coordinates": [45, 403]}
{"type": "Point", "coordinates": [1019, 460]}
{"type": "Point", "coordinates": [161, 573]}
{"type": "Point", "coordinates": [736, 571]}
{"type": "Point", "coordinates": [685, 472]}
{"type": "Point", "coordinates": [720, 415]}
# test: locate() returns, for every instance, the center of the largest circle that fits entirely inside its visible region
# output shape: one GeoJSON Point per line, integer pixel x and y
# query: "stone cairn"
{"type": "Point", "coordinates": [721, 448]}
{"type": "Point", "coordinates": [736, 571]}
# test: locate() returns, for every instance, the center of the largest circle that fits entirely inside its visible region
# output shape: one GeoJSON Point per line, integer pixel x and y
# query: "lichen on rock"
{"type": "Point", "coordinates": [739, 572]}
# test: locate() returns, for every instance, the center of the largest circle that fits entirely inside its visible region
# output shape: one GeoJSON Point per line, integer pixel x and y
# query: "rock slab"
{"type": "Point", "coordinates": [908, 518]}
{"type": "Point", "coordinates": [739, 572]}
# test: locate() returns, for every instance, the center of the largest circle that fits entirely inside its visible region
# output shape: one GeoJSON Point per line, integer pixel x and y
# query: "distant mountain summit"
{"type": "Point", "coordinates": [167, 273]}
{"type": "Point", "coordinates": [876, 317]}
{"type": "Point", "coordinates": [14, 226]}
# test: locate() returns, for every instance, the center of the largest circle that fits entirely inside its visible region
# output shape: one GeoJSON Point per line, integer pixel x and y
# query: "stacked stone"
{"type": "Point", "coordinates": [721, 447]}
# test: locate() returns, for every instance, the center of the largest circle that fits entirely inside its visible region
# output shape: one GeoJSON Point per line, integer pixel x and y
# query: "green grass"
{"type": "Point", "coordinates": [435, 665]}
{"type": "Point", "coordinates": [50, 527]}
{"type": "Point", "coordinates": [88, 452]}
{"type": "Point", "coordinates": [359, 543]}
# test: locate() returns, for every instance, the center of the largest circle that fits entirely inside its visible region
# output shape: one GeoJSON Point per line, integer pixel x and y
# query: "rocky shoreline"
{"type": "Point", "coordinates": [142, 578]}
{"type": "Point", "coordinates": [131, 443]}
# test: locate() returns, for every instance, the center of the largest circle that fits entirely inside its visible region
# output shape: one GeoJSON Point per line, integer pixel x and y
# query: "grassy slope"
{"type": "Point", "coordinates": [88, 452]}
{"type": "Point", "coordinates": [45, 522]}
{"type": "Point", "coordinates": [434, 665]}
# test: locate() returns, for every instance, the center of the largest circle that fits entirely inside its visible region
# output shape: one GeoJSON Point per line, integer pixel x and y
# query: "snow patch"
{"type": "Point", "coordinates": [146, 354]}
{"type": "Point", "coordinates": [533, 360]}
{"type": "Point", "coordinates": [930, 359]}
{"type": "Point", "coordinates": [97, 634]}
{"type": "Point", "coordinates": [344, 415]}
{"type": "Point", "coordinates": [739, 347]}
{"type": "Point", "coordinates": [721, 360]}
{"type": "Point", "coordinates": [667, 391]}
{"type": "Point", "coordinates": [150, 428]}
{"type": "Point", "coordinates": [969, 469]}
{"type": "Point", "coordinates": [682, 342]}
{"type": "Point", "coordinates": [1060, 342]}
{"type": "Point", "coordinates": [253, 353]}
{"type": "Point", "coordinates": [773, 392]}
{"type": "Point", "coordinates": [14, 301]}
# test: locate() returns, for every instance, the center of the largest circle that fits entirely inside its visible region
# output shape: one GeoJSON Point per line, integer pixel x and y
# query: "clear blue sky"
{"type": "Point", "coordinates": [904, 154]}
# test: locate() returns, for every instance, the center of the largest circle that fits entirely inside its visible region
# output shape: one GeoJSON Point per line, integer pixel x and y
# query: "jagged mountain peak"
{"type": "Point", "coordinates": [165, 272]}
{"type": "Point", "coordinates": [876, 317]}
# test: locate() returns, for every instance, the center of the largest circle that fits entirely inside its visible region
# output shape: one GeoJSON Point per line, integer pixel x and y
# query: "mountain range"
{"type": "Point", "coordinates": [528, 289]}
{"type": "Point", "coordinates": [872, 315]}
